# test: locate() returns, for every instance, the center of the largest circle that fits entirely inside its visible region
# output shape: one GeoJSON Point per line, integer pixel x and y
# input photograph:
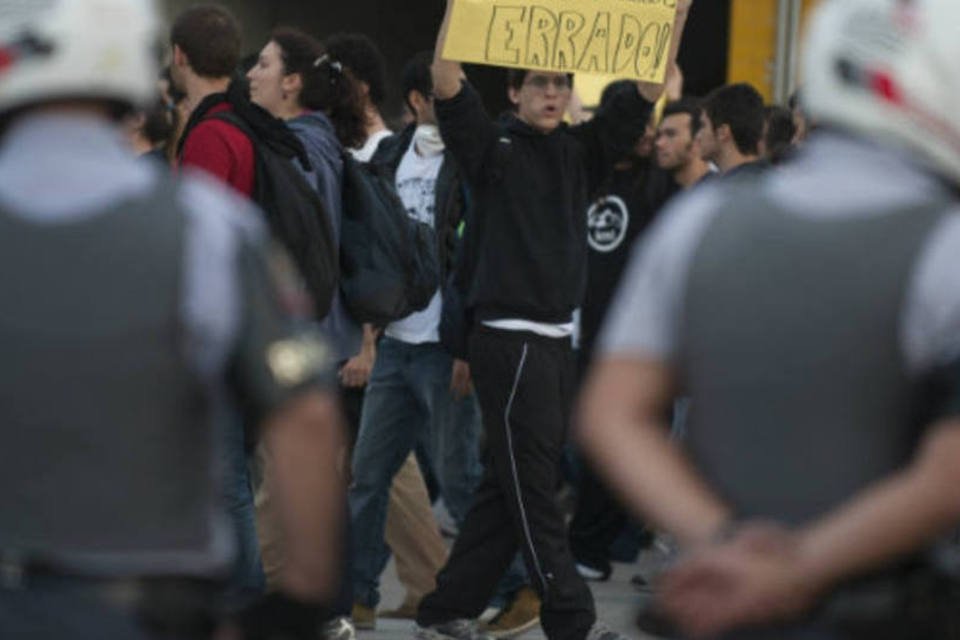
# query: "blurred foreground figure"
{"type": "Point", "coordinates": [812, 316]}
{"type": "Point", "coordinates": [141, 309]}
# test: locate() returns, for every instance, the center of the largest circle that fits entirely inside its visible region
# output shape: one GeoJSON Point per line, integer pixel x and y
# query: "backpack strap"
{"type": "Point", "coordinates": [199, 115]}
{"type": "Point", "coordinates": [235, 120]}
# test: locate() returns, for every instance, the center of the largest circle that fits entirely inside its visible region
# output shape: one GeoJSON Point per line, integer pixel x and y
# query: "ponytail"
{"type": "Point", "coordinates": [327, 85]}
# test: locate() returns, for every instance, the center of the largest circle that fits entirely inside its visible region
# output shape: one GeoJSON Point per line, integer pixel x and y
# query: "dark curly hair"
{"type": "Point", "coordinates": [362, 58]}
{"type": "Point", "coordinates": [327, 86]}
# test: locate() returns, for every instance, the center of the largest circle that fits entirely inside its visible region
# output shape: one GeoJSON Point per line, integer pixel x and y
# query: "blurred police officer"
{"type": "Point", "coordinates": [137, 310]}
{"type": "Point", "coordinates": [813, 318]}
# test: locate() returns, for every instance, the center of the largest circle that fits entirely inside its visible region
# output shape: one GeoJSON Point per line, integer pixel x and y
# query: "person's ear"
{"type": "Point", "coordinates": [723, 133]}
{"type": "Point", "coordinates": [416, 101]}
{"type": "Point", "coordinates": [292, 84]}
{"type": "Point", "coordinates": [179, 57]}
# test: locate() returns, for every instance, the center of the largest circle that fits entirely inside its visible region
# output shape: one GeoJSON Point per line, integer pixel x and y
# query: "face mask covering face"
{"type": "Point", "coordinates": [427, 140]}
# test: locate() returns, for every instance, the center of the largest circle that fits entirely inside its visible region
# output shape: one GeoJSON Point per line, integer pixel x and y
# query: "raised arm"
{"type": "Point", "coordinates": [464, 124]}
{"type": "Point", "coordinates": [612, 133]}
{"type": "Point", "coordinates": [651, 90]}
{"type": "Point", "coordinates": [447, 74]}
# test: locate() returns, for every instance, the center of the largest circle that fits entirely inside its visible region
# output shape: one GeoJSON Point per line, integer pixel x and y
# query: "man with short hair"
{"type": "Point", "coordinates": [113, 400]}
{"type": "Point", "coordinates": [622, 211]}
{"type": "Point", "coordinates": [779, 131]}
{"type": "Point", "coordinates": [206, 51]}
{"type": "Point", "coordinates": [677, 145]}
{"type": "Point", "coordinates": [530, 178]}
{"type": "Point", "coordinates": [731, 125]}
{"type": "Point", "coordinates": [812, 316]}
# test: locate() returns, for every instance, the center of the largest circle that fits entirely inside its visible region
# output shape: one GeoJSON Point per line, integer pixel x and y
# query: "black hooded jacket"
{"type": "Point", "coordinates": [526, 249]}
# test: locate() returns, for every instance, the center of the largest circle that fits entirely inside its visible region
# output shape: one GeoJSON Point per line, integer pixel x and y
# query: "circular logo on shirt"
{"type": "Point", "coordinates": [607, 222]}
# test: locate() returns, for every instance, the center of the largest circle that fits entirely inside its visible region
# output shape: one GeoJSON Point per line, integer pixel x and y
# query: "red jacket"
{"type": "Point", "coordinates": [222, 150]}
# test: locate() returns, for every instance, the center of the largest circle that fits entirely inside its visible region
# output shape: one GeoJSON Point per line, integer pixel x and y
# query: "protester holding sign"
{"type": "Point", "coordinates": [530, 176]}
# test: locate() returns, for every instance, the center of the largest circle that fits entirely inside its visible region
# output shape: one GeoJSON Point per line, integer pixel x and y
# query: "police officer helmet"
{"type": "Point", "coordinates": [887, 69]}
{"type": "Point", "coordinates": [55, 50]}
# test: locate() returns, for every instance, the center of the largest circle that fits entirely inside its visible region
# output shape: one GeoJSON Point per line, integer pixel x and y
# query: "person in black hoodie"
{"type": "Point", "coordinates": [621, 210]}
{"type": "Point", "coordinates": [531, 177]}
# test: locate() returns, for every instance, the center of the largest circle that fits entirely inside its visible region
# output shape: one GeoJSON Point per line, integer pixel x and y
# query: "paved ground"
{"type": "Point", "coordinates": [617, 603]}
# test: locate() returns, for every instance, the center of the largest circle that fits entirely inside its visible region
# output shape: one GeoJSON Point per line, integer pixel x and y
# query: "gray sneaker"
{"type": "Point", "coordinates": [461, 629]}
{"type": "Point", "coordinates": [600, 631]}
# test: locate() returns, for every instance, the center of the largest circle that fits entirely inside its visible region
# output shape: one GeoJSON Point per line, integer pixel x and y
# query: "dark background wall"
{"type": "Point", "coordinates": [403, 27]}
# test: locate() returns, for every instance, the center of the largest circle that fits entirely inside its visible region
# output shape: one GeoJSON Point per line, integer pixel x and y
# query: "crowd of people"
{"type": "Point", "coordinates": [240, 397]}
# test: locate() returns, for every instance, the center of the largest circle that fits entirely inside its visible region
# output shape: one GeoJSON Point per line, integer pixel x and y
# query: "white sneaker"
{"type": "Point", "coordinates": [489, 614]}
{"type": "Point", "coordinates": [338, 629]}
{"type": "Point", "coordinates": [600, 631]}
{"type": "Point", "coordinates": [588, 573]}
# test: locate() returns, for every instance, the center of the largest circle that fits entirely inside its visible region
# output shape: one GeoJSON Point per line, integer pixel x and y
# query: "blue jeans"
{"type": "Point", "coordinates": [408, 399]}
{"type": "Point", "coordinates": [514, 579]}
{"type": "Point", "coordinates": [456, 457]}
{"type": "Point", "coordinates": [248, 580]}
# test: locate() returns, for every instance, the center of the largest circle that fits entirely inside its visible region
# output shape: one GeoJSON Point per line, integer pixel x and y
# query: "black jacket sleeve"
{"type": "Point", "coordinates": [467, 130]}
{"type": "Point", "coordinates": [611, 134]}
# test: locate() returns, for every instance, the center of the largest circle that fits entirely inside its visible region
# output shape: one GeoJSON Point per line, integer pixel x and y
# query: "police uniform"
{"type": "Point", "coordinates": [813, 318]}
{"type": "Point", "coordinates": [139, 313]}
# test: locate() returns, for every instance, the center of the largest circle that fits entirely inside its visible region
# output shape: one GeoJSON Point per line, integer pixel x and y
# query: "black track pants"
{"type": "Point", "coordinates": [599, 518]}
{"type": "Point", "coordinates": [524, 383]}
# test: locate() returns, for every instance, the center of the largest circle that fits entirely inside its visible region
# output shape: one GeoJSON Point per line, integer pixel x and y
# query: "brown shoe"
{"type": "Point", "coordinates": [519, 616]}
{"type": "Point", "coordinates": [363, 617]}
{"type": "Point", "coordinates": [406, 611]}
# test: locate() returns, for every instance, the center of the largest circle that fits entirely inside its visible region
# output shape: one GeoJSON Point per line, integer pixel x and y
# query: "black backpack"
{"type": "Point", "coordinates": [295, 213]}
{"type": "Point", "coordinates": [389, 264]}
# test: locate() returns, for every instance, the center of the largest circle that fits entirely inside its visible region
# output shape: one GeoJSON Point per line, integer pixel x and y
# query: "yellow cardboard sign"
{"type": "Point", "coordinates": [625, 38]}
{"type": "Point", "coordinates": [590, 87]}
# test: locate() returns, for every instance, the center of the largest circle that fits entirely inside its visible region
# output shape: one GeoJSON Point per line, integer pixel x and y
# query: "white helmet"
{"type": "Point", "coordinates": [74, 49]}
{"type": "Point", "coordinates": [888, 69]}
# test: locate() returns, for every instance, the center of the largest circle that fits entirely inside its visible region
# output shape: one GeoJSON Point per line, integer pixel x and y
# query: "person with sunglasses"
{"type": "Point", "coordinates": [530, 176]}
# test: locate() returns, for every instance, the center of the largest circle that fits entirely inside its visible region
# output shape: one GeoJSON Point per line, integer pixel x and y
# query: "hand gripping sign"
{"type": "Point", "coordinates": [626, 38]}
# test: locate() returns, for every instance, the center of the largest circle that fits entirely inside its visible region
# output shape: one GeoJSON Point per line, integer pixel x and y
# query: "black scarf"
{"type": "Point", "coordinates": [268, 129]}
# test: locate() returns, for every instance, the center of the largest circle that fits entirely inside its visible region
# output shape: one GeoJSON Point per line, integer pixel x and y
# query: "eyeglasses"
{"type": "Point", "coordinates": [560, 83]}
